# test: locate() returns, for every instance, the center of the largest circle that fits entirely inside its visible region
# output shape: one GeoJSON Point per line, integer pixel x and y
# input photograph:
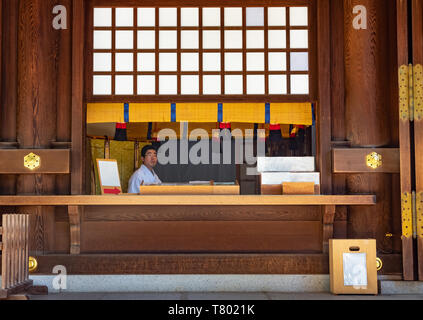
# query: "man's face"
{"type": "Point", "coordinates": [150, 159]}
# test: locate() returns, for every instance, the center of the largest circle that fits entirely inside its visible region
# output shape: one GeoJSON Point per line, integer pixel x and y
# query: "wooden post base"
{"type": "Point", "coordinates": [22, 290]}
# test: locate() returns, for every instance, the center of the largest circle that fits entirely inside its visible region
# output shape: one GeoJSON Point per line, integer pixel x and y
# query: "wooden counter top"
{"type": "Point", "coordinates": [187, 200]}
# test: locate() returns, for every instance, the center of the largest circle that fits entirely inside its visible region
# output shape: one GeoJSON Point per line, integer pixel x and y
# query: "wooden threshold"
{"type": "Point", "coordinates": [153, 264]}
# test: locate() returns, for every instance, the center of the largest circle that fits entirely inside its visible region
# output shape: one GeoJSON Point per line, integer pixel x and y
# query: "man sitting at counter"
{"type": "Point", "coordinates": [145, 176]}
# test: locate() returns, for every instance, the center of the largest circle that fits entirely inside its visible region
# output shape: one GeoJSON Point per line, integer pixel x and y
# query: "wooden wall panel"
{"type": "Point", "coordinates": [206, 237]}
{"type": "Point", "coordinates": [202, 213]}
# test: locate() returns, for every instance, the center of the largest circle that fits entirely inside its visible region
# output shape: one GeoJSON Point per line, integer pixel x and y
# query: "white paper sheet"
{"type": "Point", "coordinates": [355, 269]}
{"type": "Point", "coordinates": [109, 174]}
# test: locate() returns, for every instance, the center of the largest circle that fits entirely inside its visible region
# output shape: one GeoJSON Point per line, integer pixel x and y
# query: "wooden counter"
{"type": "Point", "coordinates": [188, 200]}
{"type": "Point", "coordinates": [193, 223]}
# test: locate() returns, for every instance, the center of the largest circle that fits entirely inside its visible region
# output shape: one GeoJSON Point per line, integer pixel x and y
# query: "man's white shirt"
{"type": "Point", "coordinates": [142, 176]}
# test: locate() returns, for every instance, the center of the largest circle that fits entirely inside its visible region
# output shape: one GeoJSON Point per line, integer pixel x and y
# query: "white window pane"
{"type": "Point", "coordinates": [102, 17]}
{"type": "Point", "coordinates": [102, 85]}
{"type": "Point", "coordinates": [124, 62]}
{"type": "Point", "coordinates": [277, 84]}
{"type": "Point", "coordinates": [189, 39]}
{"type": "Point", "coordinates": [124, 17]}
{"type": "Point", "coordinates": [211, 17]}
{"type": "Point", "coordinates": [190, 85]}
{"type": "Point", "coordinates": [233, 39]}
{"type": "Point", "coordinates": [211, 39]}
{"type": "Point", "coordinates": [168, 17]}
{"type": "Point", "coordinates": [255, 84]}
{"type": "Point", "coordinates": [211, 62]}
{"type": "Point", "coordinates": [277, 39]}
{"type": "Point", "coordinates": [299, 61]}
{"type": "Point", "coordinates": [255, 17]}
{"type": "Point", "coordinates": [233, 17]}
{"type": "Point", "coordinates": [255, 61]}
{"type": "Point", "coordinates": [124, 39]}
{"type": "Point", "coordinates": [189, 17]}
{"type": "Point", "coordinates": [189, 62]}
{"type": "Point", "coordinates": [146, 62]}
{"type": "Point", "coordinates": [234, 85]}
{"type": "Point", "coordinates": [212, 85]}
{"type": "Point", "coordinates": [102, 39]}
{"type": "Point", "coordinates": [146, 17]}
{"type": "Point", "coordinates": [168, 39]}
{"type": "Point", "coordinates": [233, 61]}
{"type": "Point", "coordinates": [299, 39]}
{"type": "Point", "coordinates": [277, 17]}
{"type": "Point", "coordinates": [168, 85]}
{"type": "Point", "coordinates": [299, 84]}
{"type": "Point", "coordinates": [255, 39]}
{"type": "Point", "coordinates": [298, 16]}
{"type": "Point", "coordinates": [146, 39]}
{"type": "Point", "coordinates": [124, 85]}
{"type": "Point", "coordinates": [102, 62]}
{"type": "Point", "coordinates": [146, 85]}
{"type": "Point", "coordinates": [277, 61]}
{"type": "Point", "coordinates": [168, 61]}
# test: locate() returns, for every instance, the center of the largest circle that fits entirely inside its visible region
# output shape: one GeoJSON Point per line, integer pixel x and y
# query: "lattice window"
{"type": "Point", "coordinates": [212, 52]}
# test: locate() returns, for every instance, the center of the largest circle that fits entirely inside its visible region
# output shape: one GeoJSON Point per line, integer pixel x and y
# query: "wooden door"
{"type": "Point", "coordinates": [417, 127]}
{"type": "Point", "coordinates": [405, 135]}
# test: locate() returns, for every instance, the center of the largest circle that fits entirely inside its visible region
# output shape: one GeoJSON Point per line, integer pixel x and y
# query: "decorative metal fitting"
{"type": "Point", "coordinates": [374, 160]}
{"type": "Point", "coordinates": [379, 264]}
{"type": "Point", "coordinates": [32, 161]}
{"type": "Point", "coordinates": [33, 264]}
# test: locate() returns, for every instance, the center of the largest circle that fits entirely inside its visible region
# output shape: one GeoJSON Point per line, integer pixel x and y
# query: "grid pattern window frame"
{"type": "Point", "coordinates": [218, 53]}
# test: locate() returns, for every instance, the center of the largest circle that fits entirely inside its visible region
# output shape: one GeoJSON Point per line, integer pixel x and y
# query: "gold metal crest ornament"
{"type": "Point", "coordinates": [32, 161]}
{"type": "Point", "coordinates": [374, 160]}
{"type": "Point", "coordinates": [32, 264]}
{"type": "Point", "coordinates": [379, 264]}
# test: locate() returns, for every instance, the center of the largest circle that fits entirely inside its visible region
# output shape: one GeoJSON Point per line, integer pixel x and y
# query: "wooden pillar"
{"type": "Point", "coordinates": [78, 114]}
{"type": "Point", "coordinates": [64, 95]}
{"type": "Point", "coordinates": [9, 41]}
{"type": "Point", "coordinates": [367, 113]}
{"type": "Point", "coordinates": [36, 108]}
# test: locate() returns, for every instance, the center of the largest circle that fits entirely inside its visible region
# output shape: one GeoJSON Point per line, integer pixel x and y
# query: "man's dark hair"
{"type": "Point", "coordinates": [146, 149]}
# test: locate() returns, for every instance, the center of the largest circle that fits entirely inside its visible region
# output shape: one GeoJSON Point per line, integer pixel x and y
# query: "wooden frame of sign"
{"type": "Point", "coordinates": [115, 187]}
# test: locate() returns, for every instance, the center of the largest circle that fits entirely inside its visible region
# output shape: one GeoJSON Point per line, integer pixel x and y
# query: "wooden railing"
{"type": "Point", "coordinates": [14, 248]}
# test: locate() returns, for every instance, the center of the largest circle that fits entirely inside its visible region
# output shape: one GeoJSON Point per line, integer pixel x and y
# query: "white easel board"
{"type": "Point", "coordinates": [108, 173]}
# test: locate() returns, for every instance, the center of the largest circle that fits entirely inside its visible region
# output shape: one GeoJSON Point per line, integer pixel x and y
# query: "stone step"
{"type": "Point", "coordinates": [211, 283]}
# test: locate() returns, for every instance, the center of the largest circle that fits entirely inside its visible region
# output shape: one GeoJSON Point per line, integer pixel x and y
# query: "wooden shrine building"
{"type": "Point", "coordinates": [336, 80]}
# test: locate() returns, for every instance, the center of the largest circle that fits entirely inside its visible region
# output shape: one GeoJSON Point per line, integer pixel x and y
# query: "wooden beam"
{"type": "Point", "coordinates": [52, 161]}
{"type": "Point", "coordinates": [149, 264]}
{"type": "Point", "coordinates": [166, 200]}
{"type": "Point", "coordinates": [354, 160]}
